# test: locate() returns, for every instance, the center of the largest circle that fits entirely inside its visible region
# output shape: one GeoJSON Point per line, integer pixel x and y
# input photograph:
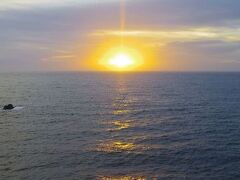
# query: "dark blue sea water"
{"type": "Point", "coordinates": [120, 126]}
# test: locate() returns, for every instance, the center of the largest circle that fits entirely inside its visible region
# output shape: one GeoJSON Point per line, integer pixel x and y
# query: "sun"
{"type": "Point", "coordinates": [121, 60]}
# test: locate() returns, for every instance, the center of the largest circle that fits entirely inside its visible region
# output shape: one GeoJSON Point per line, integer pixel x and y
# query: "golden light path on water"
{"type": "Point", "coordinates": [121, 178]}
{"type": "Point", "coordinates": [120, 106]}
{"type": "Point", "coordinates": [121, 125]}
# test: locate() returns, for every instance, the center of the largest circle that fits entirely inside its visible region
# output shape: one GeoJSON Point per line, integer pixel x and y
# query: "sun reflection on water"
{"type": "Point", "coordinates": [121, 178]}
{"type": "Point", "coordinates": [120, 125]}
{"type": "Point", "coordinates": [115, 146]}
{"type": "Point", "coordinates": [121, 112]}
{"type": "Point", "coordinates": [121, 106]}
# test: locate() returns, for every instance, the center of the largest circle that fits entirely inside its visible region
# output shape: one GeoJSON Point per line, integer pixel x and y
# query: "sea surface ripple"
{"type": "Point", "coordinates": [120, 126]}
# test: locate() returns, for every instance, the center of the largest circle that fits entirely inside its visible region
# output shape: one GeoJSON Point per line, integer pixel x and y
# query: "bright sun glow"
{"type": "Point", "coordinates": [132, 56]}
{"type": "Point", "coordinates": [121, 60]}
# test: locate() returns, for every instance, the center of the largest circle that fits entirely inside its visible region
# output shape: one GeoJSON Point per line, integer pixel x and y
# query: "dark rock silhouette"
{"type": "Point", "coordinates": [8, 107]}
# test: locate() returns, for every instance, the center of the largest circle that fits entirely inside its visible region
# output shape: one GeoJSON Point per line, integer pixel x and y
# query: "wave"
{"type": "Point", "coordinates": [17, 108]}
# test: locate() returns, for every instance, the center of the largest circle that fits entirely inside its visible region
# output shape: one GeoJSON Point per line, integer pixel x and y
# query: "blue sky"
{"type": "Point", "coordinates": [188, 35]}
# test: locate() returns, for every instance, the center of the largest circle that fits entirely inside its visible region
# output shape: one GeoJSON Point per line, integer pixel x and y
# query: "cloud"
{"type": "Point", "coordinates": [205, 55]}
{"type": "Point", "coordinates": [57, 58]}
{"type": "Point", "coordinates": [31, 31]}
{"type": "Point", "coordinates": [175, 13]}
{"type": "Point", "coordinates": [26, 4]}
{"type": "Point", "coordinates": [177, 35]}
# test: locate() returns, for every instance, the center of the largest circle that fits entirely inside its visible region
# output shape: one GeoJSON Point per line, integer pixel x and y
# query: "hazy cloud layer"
{"type": "Point", "coordinates": [189, 34]}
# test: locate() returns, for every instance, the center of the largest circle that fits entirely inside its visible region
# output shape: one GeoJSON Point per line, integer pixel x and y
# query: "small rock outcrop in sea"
{"type": "Point", "coordinates": [8, 107]}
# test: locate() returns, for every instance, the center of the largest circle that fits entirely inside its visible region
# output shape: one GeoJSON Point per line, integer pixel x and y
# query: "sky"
{"type": "Point", "coordinates": [61, 35]}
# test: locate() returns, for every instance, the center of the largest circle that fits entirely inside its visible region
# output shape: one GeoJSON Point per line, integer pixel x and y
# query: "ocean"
{"type": "Point", "coordinates": [121, 126]}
